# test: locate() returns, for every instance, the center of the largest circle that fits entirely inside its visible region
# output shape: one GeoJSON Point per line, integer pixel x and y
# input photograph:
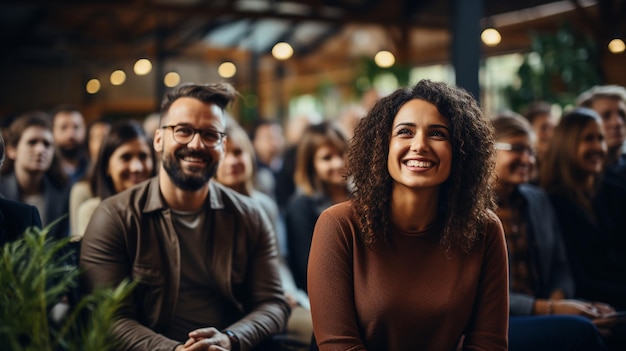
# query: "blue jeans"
{"type": "Point", "coordinates": [553, 333]}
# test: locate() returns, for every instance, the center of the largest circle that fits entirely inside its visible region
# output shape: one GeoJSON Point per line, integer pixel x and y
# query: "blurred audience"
{"type": "Point", "coordinates": [609, 101]}
{"type": "Point", "coordinates": [285, 186]}
{"type": "Point", "coordinates": [126, 159]}
{"type": "Point", "coordinates": [269, 143]}
{"type": "Point", "coordinates": [320, 182]}
{"type": "Point", "coordinates": [32, 174]}
{"type": "Point", "coordinates": [349, 117]}
{"type": "Point", "coordinates": [541, 285]}
{"type": "Point", "coordinates": [68, 131]}
{"type": "Point", "coordinates": [15, 216]}
{"type": "Point", "coordinates": [590, 208]}
{"type": "Point", "coordinates": [81, 190]}
{"type": "Point", "coordinates": [236, 171]}
{"type": "Point", "coordinates": [542, 121]}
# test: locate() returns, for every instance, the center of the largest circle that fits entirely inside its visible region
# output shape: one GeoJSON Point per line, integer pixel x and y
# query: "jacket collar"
{"type": "Point", "coordinates": [156, 202]}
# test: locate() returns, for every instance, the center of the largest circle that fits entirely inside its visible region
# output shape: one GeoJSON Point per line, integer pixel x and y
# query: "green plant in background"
{"type": "Point", "coordinates": [557, 69]}
{"type": "Point", "coordinates": [34, 276]}
{"type": "Point", "coordinates": [370, 70]}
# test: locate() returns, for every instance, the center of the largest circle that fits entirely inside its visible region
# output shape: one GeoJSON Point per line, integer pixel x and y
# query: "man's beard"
{"type": "Point", "coordinates": [186, 181]}
{"type": "Point", "coordinates": [71, 153]}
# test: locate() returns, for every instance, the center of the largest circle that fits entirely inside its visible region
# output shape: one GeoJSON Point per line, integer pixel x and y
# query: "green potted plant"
{"type": "Point", "coordinates": [35, 274]}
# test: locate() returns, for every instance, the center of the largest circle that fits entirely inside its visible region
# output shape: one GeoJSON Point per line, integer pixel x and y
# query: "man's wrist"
{"type": "Point", "coordinates": [234, 340]}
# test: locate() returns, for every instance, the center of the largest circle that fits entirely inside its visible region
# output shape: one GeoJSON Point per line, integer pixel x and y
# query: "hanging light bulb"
{"type": "Point", "coordinates": [617, 46]}
{"type": "Point", "coordinates": [171, 79]}
{"type": "Point", "coordinates": [93, 86]}
{"type": "Point", "coordinates": [384, 59]}
{"type": "Point", "coordinates": [282, 51]}
{"type": "Point", "coordinates": [227, 69]}
{"type": "Point", "coordinates": [491, 37]}
{"type": "Point", "coordinates": [118, 77]}
{"type": "Point", "coordinates": [142, 67]}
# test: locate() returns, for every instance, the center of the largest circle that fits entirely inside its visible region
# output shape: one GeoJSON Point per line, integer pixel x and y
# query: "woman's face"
{"type": "Point", "coordinates": [420, 152]}
{"type": "Point", "coordinates": [329, 165]}
{"type": "Point", "coordinates": [236, 167]}
{"type": "Point", "coordinates": [130, 164]}
{"type": "Point", "coordinates": [591, 150]}
{"type": "Point", "coordinates": [34, 151]}
{"type": "Point", "coordinates": [515, 160]}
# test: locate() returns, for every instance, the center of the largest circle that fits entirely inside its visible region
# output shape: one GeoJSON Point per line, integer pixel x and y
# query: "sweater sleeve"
{"type": "Point", "coordinates": [489, 325]}
{"type": "Point", "coordinates": [331, 288]}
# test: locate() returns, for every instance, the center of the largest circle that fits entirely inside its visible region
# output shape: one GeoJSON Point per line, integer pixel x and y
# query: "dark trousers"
{"type": "Point", "coordinates": [553, 333]}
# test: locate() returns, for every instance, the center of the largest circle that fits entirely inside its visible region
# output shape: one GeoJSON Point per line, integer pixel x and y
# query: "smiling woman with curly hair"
{"type": "Point", "coordinates": [416, 260]}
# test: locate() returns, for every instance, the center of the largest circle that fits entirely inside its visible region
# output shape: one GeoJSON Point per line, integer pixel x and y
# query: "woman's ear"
{"type": "Point", "coordinates": [11, 152]}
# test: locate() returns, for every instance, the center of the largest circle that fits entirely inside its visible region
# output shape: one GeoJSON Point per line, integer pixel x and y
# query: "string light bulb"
{"type": "Point", "coordinates": [384, 59]}
{"type": "Point", "coordinates": [617, 46]}
{"type": "Point", "coordinates": [282, 51]}
{"type": "Point", "coordinates": [491, 37]}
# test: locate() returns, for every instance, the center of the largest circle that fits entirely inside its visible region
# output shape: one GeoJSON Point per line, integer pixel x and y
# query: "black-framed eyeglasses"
{"type": "Point", "coordinates": [183, 134]}
{"type": "Point", "coordinates": [516, 148]}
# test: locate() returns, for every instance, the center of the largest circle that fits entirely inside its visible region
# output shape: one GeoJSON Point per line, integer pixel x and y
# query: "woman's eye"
{"type": "Point", "coordinates": [404, 131]}
{"type": "Point", "coordinates": [438, 133]}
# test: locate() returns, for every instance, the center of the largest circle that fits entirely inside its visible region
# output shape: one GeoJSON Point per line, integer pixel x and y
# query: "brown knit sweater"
{"type": "Point", "coordinates": [407, 295]}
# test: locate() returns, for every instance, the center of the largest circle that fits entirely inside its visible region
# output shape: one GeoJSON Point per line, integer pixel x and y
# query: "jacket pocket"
{"type": "Point", "coordinates": [147, 275]}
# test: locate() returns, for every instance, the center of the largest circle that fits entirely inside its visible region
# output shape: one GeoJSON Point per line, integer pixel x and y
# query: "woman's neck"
{"type": "Point", "coordinates": [413, 211]}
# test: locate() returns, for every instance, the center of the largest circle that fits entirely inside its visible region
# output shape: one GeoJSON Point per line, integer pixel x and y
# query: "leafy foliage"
{"type": "Point", "coordinates": [557, 69]}
{"type": "Point", "coordinates": [35, 274]}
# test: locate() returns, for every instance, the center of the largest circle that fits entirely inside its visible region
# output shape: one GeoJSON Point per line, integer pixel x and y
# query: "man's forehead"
{"type": "Point", "coordinates": [190, 107]}
{"type": "Point", "coordinates": [65, 117]}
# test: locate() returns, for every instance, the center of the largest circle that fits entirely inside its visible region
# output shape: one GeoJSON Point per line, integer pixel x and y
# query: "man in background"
{"type": "Point", "coordinates": [69, 132]}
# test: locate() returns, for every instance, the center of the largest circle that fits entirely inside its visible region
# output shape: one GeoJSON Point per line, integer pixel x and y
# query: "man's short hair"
{"type": "Point", "coordinates": [601, 91]}
{"type": "Point", "coordinates": [221, 94]}
{"type": "Point", "coordinates": [65, 108]}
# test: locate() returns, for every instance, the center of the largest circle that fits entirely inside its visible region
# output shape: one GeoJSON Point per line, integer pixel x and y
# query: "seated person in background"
{"type": "Point", "coordinates": [15, 217]}
{"type": "Point", "coordinates": [69, 134]}
{"type": "Point", "coordinates": [541, 284]}
{"type": "Point", "coordinates": [589, 208]}
{"type": "Point", "coordinates": [203, 256]}
{"type": "Point", "coordinates": [32, 174]}
{"type": "Point", "coordinates": [236, 171]}
{"type": "Point", "coordinates": [126, 159]}
{"type": "Point", "coordinates": [320, 183]}
{"type": "Point", "coordinates": [542, 122]}
{"type": "Point", "coordinates": [609, 101]}
{"type": "Point", "coordinates": [81, 190]}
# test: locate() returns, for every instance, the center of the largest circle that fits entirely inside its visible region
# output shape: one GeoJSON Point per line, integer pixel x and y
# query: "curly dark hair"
{"type": "Point", "coordinates": [465, 197]}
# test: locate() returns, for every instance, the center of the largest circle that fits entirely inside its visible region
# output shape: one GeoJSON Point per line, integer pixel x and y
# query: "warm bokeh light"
{"type": "Point", "coordinates": [227, 69]}
{"type": "Point", "coordinates": [142, 67]}
{"type": "Point", "coordinates": [93, 86]}
{"type": "Point", "coordinates": [171, 79]}
{"type": "Point", "coordinates": [282, 51]}
{"type": "Point", "coordinates": [617, 46]}
{"type": "Point", "coordinates": [384, 59]}
{"type": "Point", "coordinates": [118, 77]}
{"type": "Point", "coordinates": [491, 37]}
